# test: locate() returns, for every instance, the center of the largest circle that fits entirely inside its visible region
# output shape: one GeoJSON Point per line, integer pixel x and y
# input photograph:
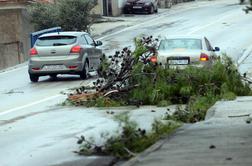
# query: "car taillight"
{"type": "Point", "coordinates": [204, 57]}
{"type": "Point", "coordinates": [33, 52]}
{"type": "Point", "coordinates": [35, 68]}
{"type": "Point", "coordinates": [153, 59]}
{"type": "Point", "coordinates": [72, 67]}
{"type": "Point", "coordinates": [75, 49]}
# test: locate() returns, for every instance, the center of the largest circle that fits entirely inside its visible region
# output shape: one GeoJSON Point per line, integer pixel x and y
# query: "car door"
{"type": "Point", "coordinates": [95, 53]}
{"type": "Point", "coordinates": [87, 48]}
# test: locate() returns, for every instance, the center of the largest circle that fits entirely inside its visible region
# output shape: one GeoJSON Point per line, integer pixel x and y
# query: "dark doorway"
{"type": "Point", "coordinates": [107, 7]}
{"type": "Point", "coordinates": [110, 7]}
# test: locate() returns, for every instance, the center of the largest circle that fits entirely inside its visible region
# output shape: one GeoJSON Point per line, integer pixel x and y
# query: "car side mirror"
{"type": "Point", "coordinates": [98, 43]}
{"type": "Point", "coordinates": [216, 49]}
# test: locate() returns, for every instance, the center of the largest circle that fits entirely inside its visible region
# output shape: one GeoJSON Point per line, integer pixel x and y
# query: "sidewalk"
{"type": "Point", "coordinates": [225, 138]}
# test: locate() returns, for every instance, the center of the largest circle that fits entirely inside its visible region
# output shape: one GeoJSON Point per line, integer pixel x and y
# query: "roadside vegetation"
{"type": "Point", "coordinates": [130, 78]}
{"type": "Point", "coordinates": [71, 15]}
{"type": "Point", "coordinates": [129, 141]}
{"type": "Point", "coordinates": [135, 78]}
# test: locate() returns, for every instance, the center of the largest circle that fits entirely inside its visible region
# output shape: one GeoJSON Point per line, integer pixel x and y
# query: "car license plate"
{"type": "Point", "coordinates": [53, 67]}
{"type": "Point", "coordinates": [179, 62]}
{"type": "Point", "coordinates": [137, 7]}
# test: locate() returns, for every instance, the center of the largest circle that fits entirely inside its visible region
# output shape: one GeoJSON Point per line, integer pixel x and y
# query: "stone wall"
{"type": "Point", "coordinates": [14, 36]}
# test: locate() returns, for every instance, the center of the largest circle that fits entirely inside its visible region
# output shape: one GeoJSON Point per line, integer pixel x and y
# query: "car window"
{"type": "Point", "coordinates": [56, 40]}
{"type": "Point", "coordinates": [90, 41]}
{"type": "Point", "coordinates": [83, 40]}
{"type": "Point", "coordinates": [208, 45]}
{"type": "Point", "coordinates": [169, 44]}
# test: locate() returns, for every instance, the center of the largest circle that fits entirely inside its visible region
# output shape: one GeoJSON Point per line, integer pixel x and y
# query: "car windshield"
{"type": "Point", "coordinates": [170, 44]}
{"type": "Point", "coordinates": [56, 40]}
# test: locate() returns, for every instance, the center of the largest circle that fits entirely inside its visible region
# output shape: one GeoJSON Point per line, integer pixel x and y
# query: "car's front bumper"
{"type": "Point", "coordinates": [137, 9]}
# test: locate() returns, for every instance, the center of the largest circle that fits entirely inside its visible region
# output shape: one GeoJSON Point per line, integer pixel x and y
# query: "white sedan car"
{"type": "Point", "coordinates": [186, 50]}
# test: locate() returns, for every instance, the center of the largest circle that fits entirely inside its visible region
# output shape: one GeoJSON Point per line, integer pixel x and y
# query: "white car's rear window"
{"type": "Point", "coordinates": [56, 40]}
{"type": "Point", "coordinates": [170, 44]}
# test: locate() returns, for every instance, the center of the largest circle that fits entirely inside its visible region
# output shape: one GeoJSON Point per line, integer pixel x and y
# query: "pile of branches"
{"type": "Point", "coordinates": [115, 73]}
{"type": "Point", "coordinates": [247, 9]}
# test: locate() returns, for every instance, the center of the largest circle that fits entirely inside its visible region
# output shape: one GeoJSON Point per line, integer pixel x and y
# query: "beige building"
{"type": "Point", "coordinates": [110, 7]}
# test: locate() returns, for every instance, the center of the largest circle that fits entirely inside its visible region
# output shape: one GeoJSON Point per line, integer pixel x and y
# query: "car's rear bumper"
{"type": "Point", "coordinates": [39, 66]}
{"type": "Point", "coordinates": [164, 62]}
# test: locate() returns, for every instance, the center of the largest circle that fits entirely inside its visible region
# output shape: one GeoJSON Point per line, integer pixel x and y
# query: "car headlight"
{"type": "Point", "coordinates": [127, 3]}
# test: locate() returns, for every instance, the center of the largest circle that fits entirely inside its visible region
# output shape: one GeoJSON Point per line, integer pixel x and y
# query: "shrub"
{"type": "Point", "coordinates": [71, 15]}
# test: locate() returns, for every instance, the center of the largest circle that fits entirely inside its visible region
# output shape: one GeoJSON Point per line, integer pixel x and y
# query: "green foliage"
{"type": "Point", "coordinates": [71, 15]}
{"type": "Point", "coordinates": [148, 83]}
{"type": "Point", "coordinates": [199, 88]}
{"type": "Point", "coordinates": [44, 15]}
{"type": "Point", "coordinates": [178, 85]}
{"type": "Point", "coordinates": [134, 140]}
{"type": "Point", "coordinates": [75, 14]}
{"type": "Point", "coordinates": [131, 140]}
{"type": "Point", "coordinates": [164, 103]}
{"type": "Point", "coordinates": [140, 48]}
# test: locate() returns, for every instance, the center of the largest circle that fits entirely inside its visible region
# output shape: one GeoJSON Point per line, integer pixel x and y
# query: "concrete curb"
{"type": "Point", "coordinates": [159, 144]}
{"type": "Point", "coordinates": [211, 111]}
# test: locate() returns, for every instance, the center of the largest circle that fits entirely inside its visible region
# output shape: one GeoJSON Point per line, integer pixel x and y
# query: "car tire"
{"type": "Point", "coordinates": [84, 73]}
{"type": "Point", "coordinates": [126, 11]}
{"type": "Point", "coordinates": [34, 78]}
{"type": "Point", "coordinates": [151, 10]}
{"type": "Point", "coordinates": [156, 11]}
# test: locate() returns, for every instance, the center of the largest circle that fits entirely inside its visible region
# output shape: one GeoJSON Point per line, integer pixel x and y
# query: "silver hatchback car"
{"type": "Point", "coordinates": [64, 53]}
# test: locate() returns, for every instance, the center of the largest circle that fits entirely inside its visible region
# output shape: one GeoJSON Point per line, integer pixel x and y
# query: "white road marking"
{"type": "Point", "coordinates": [29, 105]}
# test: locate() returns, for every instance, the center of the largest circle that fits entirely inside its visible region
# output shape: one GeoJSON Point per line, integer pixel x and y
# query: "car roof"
{"type": "Point", "coordinates": [184, 37]}
{"type": "Point", "coordinates": [70, 33]}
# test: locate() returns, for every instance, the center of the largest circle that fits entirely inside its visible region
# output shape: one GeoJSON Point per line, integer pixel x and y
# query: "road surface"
{"type": "Point", "coordinates": [35, 130]}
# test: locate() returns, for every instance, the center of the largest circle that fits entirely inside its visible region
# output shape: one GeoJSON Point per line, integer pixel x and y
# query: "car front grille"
{"type": "Point", "coordinates": [138, 4]}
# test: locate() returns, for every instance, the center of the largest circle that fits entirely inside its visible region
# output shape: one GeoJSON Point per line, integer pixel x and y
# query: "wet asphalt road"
{"type": "Point", "coordinates": [27, 110]}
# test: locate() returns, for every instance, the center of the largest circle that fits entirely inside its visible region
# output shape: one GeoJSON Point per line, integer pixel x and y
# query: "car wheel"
{"type": "Point", "coordinates": [156, 11]}
{"type": "Point", "coordinates": [34, 78]}
{"type": "Point", "coordinates": [151, 10]}
{"type": "Point", "coordinates": [126, 11]}
{"type": "Point", "coordinates": [84, 73]}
